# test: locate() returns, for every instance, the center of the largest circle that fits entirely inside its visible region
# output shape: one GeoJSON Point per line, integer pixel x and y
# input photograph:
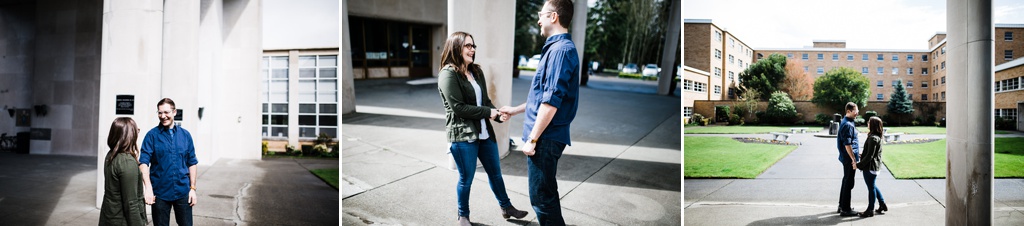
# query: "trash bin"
{"type": "Point", "coordinates": [21, 142]}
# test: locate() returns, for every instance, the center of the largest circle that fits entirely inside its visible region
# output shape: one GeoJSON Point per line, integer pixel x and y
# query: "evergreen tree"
{"type": "Point", "coordinates": [900, 103]}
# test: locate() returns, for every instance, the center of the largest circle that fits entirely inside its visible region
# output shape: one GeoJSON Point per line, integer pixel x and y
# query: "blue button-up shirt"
{"type": "Point", "coordinates": [847, 135]}
{"type": "Point", "coordinates": [169, 153]}
{"type": "Point", "coordinates": [557, 83]}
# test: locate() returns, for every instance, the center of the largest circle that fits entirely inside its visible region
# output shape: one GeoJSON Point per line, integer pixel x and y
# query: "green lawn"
{"type": "Point", "coordinates": [928, 160]}
{"type": "Point", "coordinates": [743, 129]}
{"type": "Point", "coordinates": [723, 157]}
{"type": "Point", "coordinates": [328, 175]}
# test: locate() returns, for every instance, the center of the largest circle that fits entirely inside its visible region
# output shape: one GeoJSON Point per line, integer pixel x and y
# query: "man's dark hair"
{"type": "Point", "coordinates": [850, 106]}
{"type": "Point", "coordinates": [564, 8]}
{"type": "Point", "coordinates": [166, 101]}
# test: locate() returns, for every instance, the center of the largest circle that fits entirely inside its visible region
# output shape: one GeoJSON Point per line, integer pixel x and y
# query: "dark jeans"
{"type": "Point", "coordinates": [848, 181]}
{"type": "Point", "coordinates": [873, 191]}
{"type": "Point", "coordinates": [466, 154]}
{"type": "Point", "coordinates": [162, 212]}
{"type": "Point", "coordinates": [541, 168]}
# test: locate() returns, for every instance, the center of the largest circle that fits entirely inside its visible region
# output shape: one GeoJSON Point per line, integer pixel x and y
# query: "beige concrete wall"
{"type": "Point", "coordinates": [348, 93]}
{"type": "Point", "coordinates": [689, 96]}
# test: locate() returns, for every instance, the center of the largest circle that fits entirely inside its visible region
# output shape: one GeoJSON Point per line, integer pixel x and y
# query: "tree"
{"type": "Point", "coordinates": [526, 31]}
{"type": "Point", "coordinates": [626, 31]}
{"type": "Point", "coordinates": [781, 108]}
{"type": "Point", "coordinates": [765, 75]}
{"type": "Point", "coordinates": [798, 83]}
{"type": "Point", "coordinates": [900, 103]}
{"type": "Point", "coordinates": [839, 86]}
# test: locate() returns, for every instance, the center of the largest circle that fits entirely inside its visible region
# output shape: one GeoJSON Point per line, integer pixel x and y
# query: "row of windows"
{"type": "Point", "coordinates": [690, 85]}
{"type": "Point", "coordinates": [687, 112]}
{"type": "Point", "coordinates": [732, 43]}
{"type": "Point", "coordinates": [1007, 113]}
{"type": "Point", "coordinates": [910, 84]}
{"type": "Point", "coordinates": [936, 96]}
{"type": "Point", "coordinates": [864, 57]}
{"type": "Point", "coordinates": [1009, 84]}
{"type": "Point", "coordinates": [316, 94]}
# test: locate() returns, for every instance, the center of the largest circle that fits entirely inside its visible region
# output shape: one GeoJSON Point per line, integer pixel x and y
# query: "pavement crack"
{"type": "Point", "coordinates": [929, 194]}
{"type": "Point", "coordinates": [239, 209]}
{"type": "Point", "coordinates": [396, 180]}
{"type": "Point", "coordinates": [709, 193]}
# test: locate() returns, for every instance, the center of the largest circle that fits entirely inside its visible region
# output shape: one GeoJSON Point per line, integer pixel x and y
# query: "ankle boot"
{"type": "Point", "coordinates": [882, 207]}
{"type": "Point", "coordinates": [464, 221]}
{"type": "Point", "coordinates": [511, 211]}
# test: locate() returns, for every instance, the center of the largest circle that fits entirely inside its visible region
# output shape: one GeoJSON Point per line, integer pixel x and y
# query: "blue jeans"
{"type": "Point", "coordinates": [541, 168]}
{"type": "Point", "coordinates": [873, 191]}
{"type": "Point", "coordinates": [162, 212]}
{"type": "Point", "coordinates": [466, 154]}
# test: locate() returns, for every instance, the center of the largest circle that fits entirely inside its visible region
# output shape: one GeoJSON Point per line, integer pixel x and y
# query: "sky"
{"type": "Point", "coordinates": [299, 24]}
{"type": "Point", "coordinates": [866, 24]}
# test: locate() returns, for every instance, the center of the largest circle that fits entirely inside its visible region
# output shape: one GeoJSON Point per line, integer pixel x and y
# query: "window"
{"type": "Point", "coordinates": [718, 89]}
{"type": "Point", "coordinates": [718, 36]}
{"type": "Point", "coordinates": [943, 52]}
{"type": "Point", "coordinates": [804, 56]}
{"type": "Point", "coordinates": [731, 59]}
{"type": "Point", "coordinates": [924, 84]}
{"type": "Point", "coordinates": [910, 58]}
{"type": "Point", "coordinates": [718, 72]}
{"type": "Point", "coordinates": [821, 56]}
{"type": "Point", "coordinates": [318, 95]}
{"type": "Point", "coordinates": [879, 97]}
{"type": "Point", "coordinates": [935, 68]}
{"type": "Point", "coordinates": [864, 57]}
{"type": "Point", "coordinates": [880, 70]}
{"type": "Point", "coordinates": [821, 70]}
{"type": "Point", "coordinates": [924, 57]}
{"type": "Point", "coordinates": [910, 96]}
{"type": "Point", "coordinates": [731, 75]}
{"type": "Point", "coordinates": [924, 71]}
{"type": "Point", "coordinates": [741, 62]}
{"type": "Point", "coordinates": [849, 57]}
{"type": "Point", "coordinates": [910, 70]}
{"type": "Point", "coordinates": [718, 54]}
{"type": "Point", "coordinates": [943, 95]}
{"type": "Point", "coordinates": [1008, 36]}
{"type": "Point", "coordinates": [895, 71]}
{"type": "Point", "coordinates": [910, 84]}
{"type": "Point", "coordinates": [1008, 54]}
{"type": "Point", "coordinates": [687, 85]}
{"type": "Point", "coordinates": [805, 68]}
{"type": "Point", "coordinates": [687, 112]}
{"type": "Point", "coordinates": [924, 96]}
{"type": "Point", "coordinates": [895, 82]}
{"type": "Point", "coordinates": [789, 55]}
{"type": "Point", "coordinates": [943, 65]}
{"type": "Point", "coordinates": [732, 93]}
{"type": "Point", "coordinates": [943, 82]}
{"type": "Point", "coordinates": [880, 57]}
{"type": "Point", "coordinates": [864, 70]}
{"type": "Point", "coordinates": [759, 56]}
{"type": "Point", "coordinates": [835, 56]}
{"type": "Point", "coordinates": [935, 96]}
{"type": "Point", "coordinates": [700, 87]}
{"type": "Point", "coordinates": [1007, 113]}
{"type": "Point", "coordinates": [732, 43]}
{"type": "Point", "coordinates": [879, 84]}
{"type": "Point", "coordinates": [275, 96]}
{"type": "Point", "coordinates": [895, 57]}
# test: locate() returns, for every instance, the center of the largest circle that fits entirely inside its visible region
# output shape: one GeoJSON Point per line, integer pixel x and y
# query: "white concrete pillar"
{"type": "Point", "coordinates": [579, 30]}
{"type": "Point", "coordinates": [293, 98]}
{"type": "Point", "coordinates": [969, 145]}
{"type": "Point", "coordinates": [236, 91]}
{"type": "Point", "coordinates": [180, 78]}
{"type": "Point", "coordinates": [495, 38]}
{"type": "Point", "coordinates": [130, 65]}
{"type": "Point", "coordinates": [210, 60]}
{"type": "Point", "coordinates": [348, 91]}
{"type": "Point", "coordinates": [668, 54]}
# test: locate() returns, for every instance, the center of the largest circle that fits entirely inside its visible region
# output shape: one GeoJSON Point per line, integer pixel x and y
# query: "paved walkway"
{"type": "Point", "coordinates": [622, 169]}
{"type": "Point", "coordinates": [61, 190]}
{"type": "Point", "coordinates": [803, 187]}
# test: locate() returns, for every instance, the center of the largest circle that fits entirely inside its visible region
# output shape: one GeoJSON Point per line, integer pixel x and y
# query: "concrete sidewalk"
{"type": "Point", "coordinates": [61, 190]}
{"type": "Point", "coordinates": [803, 189]}
{"type": "Point", "coordinates": [622, 169]}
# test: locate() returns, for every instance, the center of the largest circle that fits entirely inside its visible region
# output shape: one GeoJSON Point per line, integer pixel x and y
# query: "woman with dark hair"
{"type": "Point", "coordinates": [468, 111]}
{"type": "Point", "coordinates": [122, 189]}
{"type": "Point", "coordinates": [870, 161]}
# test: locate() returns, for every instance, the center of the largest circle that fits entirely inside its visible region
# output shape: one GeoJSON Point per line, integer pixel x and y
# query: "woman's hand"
{"type": "Point", "coordinates": [495, 114]}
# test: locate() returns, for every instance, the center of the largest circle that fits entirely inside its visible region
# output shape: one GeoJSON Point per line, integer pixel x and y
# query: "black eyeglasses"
{"type": "Point", "coordinates": [469, 45]}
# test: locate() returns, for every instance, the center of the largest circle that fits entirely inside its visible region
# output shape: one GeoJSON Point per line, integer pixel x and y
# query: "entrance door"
{"type": "Point", "coordinates": [420, 65]}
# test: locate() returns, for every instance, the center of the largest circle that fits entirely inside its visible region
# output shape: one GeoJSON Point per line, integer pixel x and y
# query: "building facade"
{"type": "Point", "coordinates": [717, 53]}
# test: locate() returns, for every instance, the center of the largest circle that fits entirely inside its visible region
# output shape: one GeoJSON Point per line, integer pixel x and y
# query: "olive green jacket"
{"type": "Point", "coordinates": [122, 192]}
{"type": "Point", "coordinates": [462, 116]}
{"type": "Point", "coordinates": [871, 158]}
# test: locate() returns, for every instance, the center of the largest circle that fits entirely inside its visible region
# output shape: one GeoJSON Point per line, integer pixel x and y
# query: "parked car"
{"type": "Point", "coordinates": [629, 68]}
{"type": "Point", "coordinates": [651, 70]}
{"type": "Point", "coordinates": [534, 61]}
{"type": "Point", "coordinates": [679, 71]}
{"type": "Point", "coordinates": [522, 60]}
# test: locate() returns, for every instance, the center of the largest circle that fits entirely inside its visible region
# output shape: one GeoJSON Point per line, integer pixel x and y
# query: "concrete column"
{"type": "Point", "coordinates": [348, 91]}
{"type": "Point", "coordinates": [495, 38]}
{"type": "Point", "coordinates": [668, 55]}
{"type": "Point", "coordinates": [180, 74]}
{"type": "Point", "coordinates": [210, 61]}
{"type": "Point", "coordinates": [969, 145]}
{"type": "Point", "coordinates": [293, 98]}
{"type": "Point", "coordinates": [579, 30]}
{"type": "Point", "coordinates": [236, 93]}
{"type": "Point", "coordinates": [130, 64]}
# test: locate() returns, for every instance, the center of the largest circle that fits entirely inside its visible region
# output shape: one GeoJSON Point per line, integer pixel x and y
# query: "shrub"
{"type": "Point", "coordinates": [869, 114]}
{"type": "Point", "coordinates": [696, 119]}
{"type": "Point", "coordinates": [942, 123]}
{"type": "Point", "coordinates": [265, 148]}
{"type": "Point", "coordinates": [735, 120]}
{"type": "Point", "coordinates": [740, 110]}
{"type": "Point", "coordinates": [859, 120]}
{"type": "Point", "coordinates": [722, 113]}
{"type": "Point", "coordinates": [761, 117]}
{"type": "Point", "coordinates": [822, 119]}
{"type": "Point", "coordinates": [915, 123]}
{"type": "Point", "coordinates": [781, 108]}
{"type": "Point", "coordinates": [1005, 123]}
